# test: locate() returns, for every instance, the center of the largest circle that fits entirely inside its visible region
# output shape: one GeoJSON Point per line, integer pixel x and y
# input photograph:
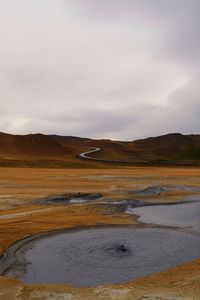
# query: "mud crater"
{"type": "Point", "coordinates": [108, 255]}
{"type": "Point", "coordinates": [71, 198]}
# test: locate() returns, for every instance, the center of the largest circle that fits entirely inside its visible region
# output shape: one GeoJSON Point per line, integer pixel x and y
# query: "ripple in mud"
{"type": "Point", "coordinates": [91, 257]}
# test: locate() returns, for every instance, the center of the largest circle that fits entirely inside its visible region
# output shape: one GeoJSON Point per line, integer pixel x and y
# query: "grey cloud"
{"type": "Point", "coordinates": [101, 68]}
{"type": "Point", "coordinates": [180, 114]}
{"type": "Point", "coordinates": [177, 22]}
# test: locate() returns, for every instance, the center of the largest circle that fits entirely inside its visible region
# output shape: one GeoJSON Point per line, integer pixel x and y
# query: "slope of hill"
{"type": "Point", "coordinates": [30, 146]}
{"type": "Point", "coordinates": [55, 150]}
{"type": "Point", "coordinates": [174, 146]}
{"type": "Point", "coordinates": [110, 150]}
{"type": "Point", "coordinates": [67, 140]}
{"type": "Point", "coordinates": [36, 150]}
{"type": "Point", "coordinates": [169, 148]}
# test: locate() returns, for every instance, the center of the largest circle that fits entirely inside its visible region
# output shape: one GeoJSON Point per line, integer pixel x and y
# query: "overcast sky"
{"type": "Point", "coordinates": [120, 69]}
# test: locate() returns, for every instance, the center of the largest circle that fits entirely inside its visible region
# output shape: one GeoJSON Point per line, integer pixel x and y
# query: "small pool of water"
{"type": "Point", "coordinates": [91, 257]}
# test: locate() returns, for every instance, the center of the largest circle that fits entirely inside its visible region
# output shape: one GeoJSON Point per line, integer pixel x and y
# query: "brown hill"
{"type": "Point", "coordinates": [169, 148]}
{"type": "Point", "coordinates": [174, 146]}
{"type": "Point", "coordinates": [37, 150]}
{"type": "Point", "coordinates": [70, 140]}
{"type": "Point", "coordinates": [31, 146]}
{"type": "Point", "coordinates": [54, 150]}
{"type": "Point", "coordinates": [110, 150]}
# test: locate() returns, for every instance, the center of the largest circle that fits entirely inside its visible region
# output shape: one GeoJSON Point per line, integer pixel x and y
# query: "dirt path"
{"type": "Point", "coordinates": [23, 214]}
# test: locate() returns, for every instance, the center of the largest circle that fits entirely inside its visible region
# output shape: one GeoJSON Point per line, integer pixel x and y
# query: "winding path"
{"type": "Point", "coordinates": [85, 154]}
{"type": "Point", "coordinates": [22, 214]}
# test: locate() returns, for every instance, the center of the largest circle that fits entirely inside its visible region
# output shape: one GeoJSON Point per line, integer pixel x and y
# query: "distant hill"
{"type": "Point", "coordinates": [35, 150]}
{"type": "Point", "coordinates": [67, 140]}
{"type": "Point", "coordinates": [169, 148]}
{"type": "Point", "coordinates": [55, 150]}
{"type": "Point", "coordinates": [174, 146]}
{"type": "Point", "coordinates": [31, 146]}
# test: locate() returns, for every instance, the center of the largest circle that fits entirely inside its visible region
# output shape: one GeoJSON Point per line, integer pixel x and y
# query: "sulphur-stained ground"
{"type": "Point", "coordinates": [24, 211]}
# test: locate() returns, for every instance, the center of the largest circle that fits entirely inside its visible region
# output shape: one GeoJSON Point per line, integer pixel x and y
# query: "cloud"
{"type": "Point", "coordinates": [122, 69]}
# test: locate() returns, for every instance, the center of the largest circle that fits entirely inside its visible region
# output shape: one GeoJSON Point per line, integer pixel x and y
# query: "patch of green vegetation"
{"type": "Point", "coordinates": [191, 152]}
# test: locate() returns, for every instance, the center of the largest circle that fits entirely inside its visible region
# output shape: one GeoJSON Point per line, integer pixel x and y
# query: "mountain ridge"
{"type": "Point", "coordinates": [168, 148]}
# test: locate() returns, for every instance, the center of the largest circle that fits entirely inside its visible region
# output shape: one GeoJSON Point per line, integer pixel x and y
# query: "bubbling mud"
{"type": "Point", "coordinates": [104, 255]}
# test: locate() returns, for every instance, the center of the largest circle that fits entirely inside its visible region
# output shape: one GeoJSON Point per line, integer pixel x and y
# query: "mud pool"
{"type": "Point", "coordinates": [104, 255]}
{"type": "Point", "coordinates": [169, 235]}
{"type": "Point", "coordinates": [184, 215]}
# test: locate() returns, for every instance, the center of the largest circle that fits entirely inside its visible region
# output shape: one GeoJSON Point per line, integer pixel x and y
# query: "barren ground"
{"type": "Point", "coordinates": [23, 214]}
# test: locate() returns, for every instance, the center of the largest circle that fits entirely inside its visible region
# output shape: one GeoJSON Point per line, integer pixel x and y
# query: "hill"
{"type": "Point", "coordinates": [35, 150]}
{"type": "Point", "coordinates": [169, 148]}
{"type": "Point", "coordinates": [29, 146]}
{"type": "Point", "coordinates": [174, 146]}
{"type": "Point", "coordinates": [62, 151]}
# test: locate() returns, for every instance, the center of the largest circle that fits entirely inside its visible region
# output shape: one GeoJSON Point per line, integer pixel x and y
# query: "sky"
{"type": "Point", "coordinates": [118, 69]}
